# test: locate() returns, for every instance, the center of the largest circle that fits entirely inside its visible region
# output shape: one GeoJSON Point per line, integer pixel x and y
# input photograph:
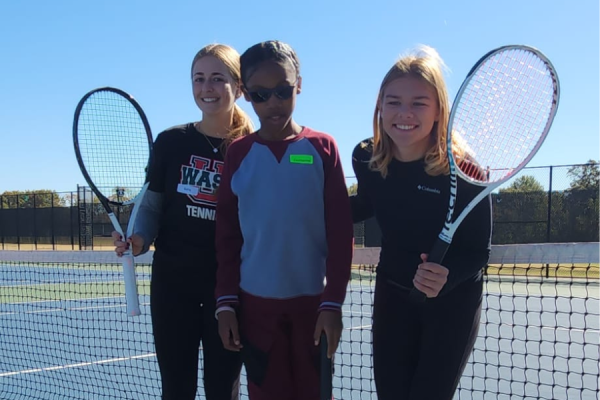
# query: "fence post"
{"type": "Point", "coordinates": [52, 236]}
{"type": "Point", "coordinates": [34, 212]}
{"type": "Point", "coordinates": [549, 219]}
{"type": "Point", "coordinates": [1, 225]}
{"type": "Point", "coordinates": [71, 223]}
{"type": "Point", "coordinates": [17, 218]}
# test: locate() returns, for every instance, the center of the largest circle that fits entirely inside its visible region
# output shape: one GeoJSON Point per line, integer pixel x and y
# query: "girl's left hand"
{"type": "Point", "coordinates": [430, 277]}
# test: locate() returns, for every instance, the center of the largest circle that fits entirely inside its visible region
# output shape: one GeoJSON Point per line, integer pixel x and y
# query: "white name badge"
{"type": "Point", "coordinates": [187, 189]}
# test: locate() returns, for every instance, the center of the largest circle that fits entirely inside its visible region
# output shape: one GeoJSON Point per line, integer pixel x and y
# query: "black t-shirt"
{"type": "Point", "coordinates": [186, 168]}
{"type": "Point", "coordinates": [410, 207]}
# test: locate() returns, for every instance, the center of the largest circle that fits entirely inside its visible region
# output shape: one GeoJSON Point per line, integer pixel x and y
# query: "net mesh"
{"type": "Point", "coordinates": [113, 145]}
{"type": "Point", "coordinates": [64, 333]}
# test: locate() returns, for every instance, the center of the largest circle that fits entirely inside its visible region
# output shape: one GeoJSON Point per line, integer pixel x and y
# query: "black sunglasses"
{"type": "Point", "coordinates": [281, 92]}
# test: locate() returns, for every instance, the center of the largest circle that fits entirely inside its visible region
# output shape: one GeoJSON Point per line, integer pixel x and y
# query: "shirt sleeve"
{"type": "Point", "coordinates": [157, 169]}
{"type": "Point", "coordinates": [229, 238]}
{"type": "Point", "coordinates": [360, 203]}
{"type": "Point", "coordinates": [148, 218]}
{"type": "Point", "coordinates": [339, 231]}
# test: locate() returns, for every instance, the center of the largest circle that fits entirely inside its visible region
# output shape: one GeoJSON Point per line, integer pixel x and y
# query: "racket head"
{"type": "Point", "coordinates": [113, 144]}
{"type": "Point", "coordinates": [502, 114]}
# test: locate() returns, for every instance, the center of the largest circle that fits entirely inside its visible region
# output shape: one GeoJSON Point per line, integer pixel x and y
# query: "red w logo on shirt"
{"type": "Point", "coordinates": [205, 175]}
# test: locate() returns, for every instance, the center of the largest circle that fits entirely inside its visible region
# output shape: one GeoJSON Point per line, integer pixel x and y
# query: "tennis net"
{"type": "Point", "coordinates": [64, 333]}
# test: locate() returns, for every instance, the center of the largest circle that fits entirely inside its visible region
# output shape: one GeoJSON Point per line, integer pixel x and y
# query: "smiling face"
{"type": "Point", "coordinates": [409, 109]}
{"type": "Point", "coordinates": [214, 89]}
{"type": "Point", "coordinates": [272, 90]}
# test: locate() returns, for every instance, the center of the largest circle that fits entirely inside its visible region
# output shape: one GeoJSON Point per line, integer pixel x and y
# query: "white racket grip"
{"type": "Point", "coordinates": [131, 294]}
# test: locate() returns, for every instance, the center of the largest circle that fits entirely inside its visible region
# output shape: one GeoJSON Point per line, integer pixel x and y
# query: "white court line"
{"type": "Point", "coordinates": [358, 327]}
{"type": "Point", "coordinates": [111, 360]}
{"type": "Point", "coordinates": [86, 364]}
{"type": "Point", "coordinates": [81, 299]}
{"type": "Point", "coordinates": [67, 309]}
{"type": "Point", "coordinates": [90, 281]}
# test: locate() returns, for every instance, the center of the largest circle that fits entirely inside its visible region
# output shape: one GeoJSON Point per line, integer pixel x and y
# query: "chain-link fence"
{"type": "Point", "coordinates": [46, 220]}
{"type": "Point", "coordinates": [554, 204]}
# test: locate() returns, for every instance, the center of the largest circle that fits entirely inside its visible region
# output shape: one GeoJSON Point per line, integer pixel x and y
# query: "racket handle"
{"type": "Point", "coordinates": [435, 256]}
{"type": "Point", "coordinates": [131, 295]}
{"type": "Point", "coordinates": [438, 251]}
{"type": "Point", "coordinates": [326, 370]}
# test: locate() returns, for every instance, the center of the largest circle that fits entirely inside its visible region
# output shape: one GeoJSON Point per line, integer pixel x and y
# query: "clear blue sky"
{"type": "Point", "coordinates": [53, 52]}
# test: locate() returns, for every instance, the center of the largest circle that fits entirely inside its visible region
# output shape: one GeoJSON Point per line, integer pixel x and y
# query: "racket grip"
{"type": "Point", "coordinates": [131, 295]}
{"type": "Point", "coordinates": [438, 251]}
{"type": "Point", "coordinates": [326, 370]}
{"type": "Point", "coordinates": [436, 255]}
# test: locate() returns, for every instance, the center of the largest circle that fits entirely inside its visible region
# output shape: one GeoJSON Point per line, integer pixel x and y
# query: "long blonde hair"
{"type": "Point", "coordinates": [241, 123]}
{"type": "Point", "coordinates": [427, 65]}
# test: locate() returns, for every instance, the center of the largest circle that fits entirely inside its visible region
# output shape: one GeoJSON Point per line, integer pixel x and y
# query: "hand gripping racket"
{"type": "Point", "coordinates": [500, 116]}
{"type": "Point", "coordinates": [113, 145]}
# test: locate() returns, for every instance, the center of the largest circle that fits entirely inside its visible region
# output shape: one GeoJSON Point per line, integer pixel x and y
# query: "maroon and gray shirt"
{"type": "Point", "coordinates": [283, 221]}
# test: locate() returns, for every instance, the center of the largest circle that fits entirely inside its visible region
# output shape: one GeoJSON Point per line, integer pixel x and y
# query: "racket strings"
{"type": "Point", "coordinates": [503, 114]}
{"type": "Point", "coordinates": [114, 145]}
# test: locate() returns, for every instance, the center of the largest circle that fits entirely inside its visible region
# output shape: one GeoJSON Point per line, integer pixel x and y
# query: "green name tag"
{"type": "Point", "coordinates": [301, 159]}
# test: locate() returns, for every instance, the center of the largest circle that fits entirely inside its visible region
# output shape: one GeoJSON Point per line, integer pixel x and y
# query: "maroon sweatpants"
{"type": "Point", "coordinates": [280, 356]}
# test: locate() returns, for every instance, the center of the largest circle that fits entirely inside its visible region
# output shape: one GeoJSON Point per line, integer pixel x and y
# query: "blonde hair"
{"type": "Point", "coordinates": [241, 122]}
{"type": "Point", "coordinates": [427, 65]}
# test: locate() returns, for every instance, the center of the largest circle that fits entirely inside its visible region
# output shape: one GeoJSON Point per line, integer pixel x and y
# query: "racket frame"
{"type": "Point", "coordinates": [131, 293]}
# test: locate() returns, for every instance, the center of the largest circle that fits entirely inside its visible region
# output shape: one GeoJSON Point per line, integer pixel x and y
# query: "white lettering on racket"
{"type": "Point", "coordinates": [444, 235]}
{"type": "Point", "coordinates": [201, 212]}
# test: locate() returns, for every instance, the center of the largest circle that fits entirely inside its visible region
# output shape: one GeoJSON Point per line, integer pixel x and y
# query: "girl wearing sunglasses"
{"type": "Point", "coordinates": [283, 225]}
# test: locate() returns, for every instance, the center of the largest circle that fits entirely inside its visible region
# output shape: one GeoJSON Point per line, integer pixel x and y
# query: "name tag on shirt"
{"type": "Point", "coordinates": [187, 189]}
{"type": "Point", "coordinates": [301, 159]}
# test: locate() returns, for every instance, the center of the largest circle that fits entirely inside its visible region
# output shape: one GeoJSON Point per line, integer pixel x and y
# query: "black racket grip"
{"type": "Point", "coordinates": [436, 255]}
{"type": "Point", "coordinates": [326, 370]}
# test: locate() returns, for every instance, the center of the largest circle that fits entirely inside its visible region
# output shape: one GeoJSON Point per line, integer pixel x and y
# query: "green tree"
{"type": "Point", "coordinates": [585, 177]}
{"type": "Point", "coordinates": [31, 198]}
{"type": "Point", "coordinates": [526, 183]}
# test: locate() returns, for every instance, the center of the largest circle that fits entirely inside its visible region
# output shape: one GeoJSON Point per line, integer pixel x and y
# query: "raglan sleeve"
{"type": "Point", "coordinates": [360, 202]}
{"type": "Point", "coordinates": [339, 230]}
{"type": "Point", "coordinates": [229, 238]}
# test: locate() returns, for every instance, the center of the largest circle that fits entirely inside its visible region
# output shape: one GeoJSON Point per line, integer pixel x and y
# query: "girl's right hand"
{"type": "Point", "coordinates": [136, 242]}
{"type": "Point", "coordinates": [229, 331]}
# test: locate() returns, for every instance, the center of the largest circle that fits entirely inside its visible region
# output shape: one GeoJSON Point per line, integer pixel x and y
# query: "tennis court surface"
{"type": "Point", "coordinates": [64, 333]}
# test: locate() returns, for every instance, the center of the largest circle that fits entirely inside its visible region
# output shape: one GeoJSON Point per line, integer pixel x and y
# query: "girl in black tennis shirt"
{"type": "Point", "coordinates": [178, 215]}
{"type": "Point", "coordinates": [419, 349]}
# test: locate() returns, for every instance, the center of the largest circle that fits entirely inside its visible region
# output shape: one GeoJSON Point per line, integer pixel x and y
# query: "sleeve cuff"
{"type": "Point", "coordinates": [330, 306]}
{"type": "Point", "coordinates": [227, 301]}
{"type": "Point", "coordinates": [224, 308]}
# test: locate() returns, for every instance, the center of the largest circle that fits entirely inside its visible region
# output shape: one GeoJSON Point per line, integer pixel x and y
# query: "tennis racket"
{"type": "Point", "coordinates": [500, 118]}
{"type": "Point", "coordinates": [113, 145]}
{"type": "Point", "coordinates": [326, 370]}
